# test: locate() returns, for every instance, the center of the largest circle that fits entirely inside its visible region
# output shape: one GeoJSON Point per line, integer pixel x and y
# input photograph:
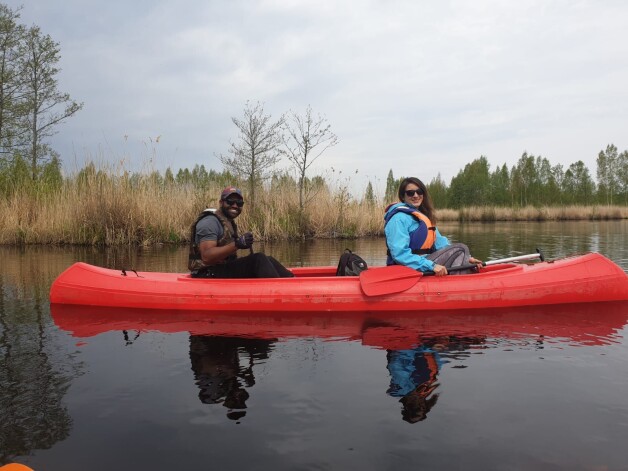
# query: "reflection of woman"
{"type": "Point", "coordinates": [413, 373]}
{"type": "Point", "coordinates": [413, 379]}
{"type": "Point", "coordinates": [412, 237]}
{"type": "Point", "coordinates": [218, 372]}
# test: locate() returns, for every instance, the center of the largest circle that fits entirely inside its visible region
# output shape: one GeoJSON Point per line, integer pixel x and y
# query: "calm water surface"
{"type": "Point", "coordinates": [520, 389]}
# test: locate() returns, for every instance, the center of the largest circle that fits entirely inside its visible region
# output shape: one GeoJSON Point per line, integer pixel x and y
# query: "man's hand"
{"type": "Point", "coordinates": [245, 241]}
{"type": "Point", "coordinates": [439, 270]}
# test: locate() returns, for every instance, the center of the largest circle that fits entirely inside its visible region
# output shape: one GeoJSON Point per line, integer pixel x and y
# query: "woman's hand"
{"type": "Point", "coordinates": [476, 262]}
{"type": "Point", "coordinates": [439, 270]}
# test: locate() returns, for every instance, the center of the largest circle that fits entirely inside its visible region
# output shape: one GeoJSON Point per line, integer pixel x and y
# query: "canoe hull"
{"type": "Point", "coordinates": [583, 279]}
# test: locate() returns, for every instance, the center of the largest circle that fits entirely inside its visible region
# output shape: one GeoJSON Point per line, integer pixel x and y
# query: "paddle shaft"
{"type": "Point", "coordinates": [518, 258]}
{"type": "Point", "coordinates": [470, 266]}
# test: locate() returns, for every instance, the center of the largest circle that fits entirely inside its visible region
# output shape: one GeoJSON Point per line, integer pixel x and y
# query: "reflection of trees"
{"type": "Point", "coordinates": [414, 372]}
{"type": "Point", "coordinates": [31, 385]}
{"type": "Point", "coordinates": [555, 238]}
{"type": "Point", "coordinates": [223, 368]}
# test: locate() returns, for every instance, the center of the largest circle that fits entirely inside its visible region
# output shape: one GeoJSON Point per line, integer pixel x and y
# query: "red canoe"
{"type": "Point", "coordinates": [583, 279]}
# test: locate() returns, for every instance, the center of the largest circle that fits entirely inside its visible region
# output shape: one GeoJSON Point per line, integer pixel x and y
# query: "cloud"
{"type": "Point", "coordinates": [419, 87]}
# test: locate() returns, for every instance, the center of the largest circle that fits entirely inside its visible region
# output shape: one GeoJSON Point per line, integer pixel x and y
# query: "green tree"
{"type": "Point", "coordinates": [609, 172]}
{"type": "Point", "coordinates": [471, 186]}
{"type": "Point", "coordinates": [319, 183]}
{"type": "Point", "coordinates": [552, 187]}
{"type": "Point", "coordinates": [155, 179]}
{"type": "Point", "coordinates": [51, 176]}
{"type": "Point", "coordinates": [623, 175]}
{"type": "Point", "coordinates": [438, 192]}
{"type": "Point", "coordinates": [558, 177]}
{"type": "Point", "coordinates": [183, 176]}
{"type": "Point", "coordinates": [578, 187]}
{"type": "Point", "coordinates": [523, 177]}
{"type": "Point", "coordinates": [499, 185]}
{"type": "Point", "coordinates": [542, 182]}
{"type": "Point", "coordinates": [392, 185]}
{"type": "Point", "coordinates": [200, 177]}
{"type": "Point", "coordinates": [18, 172]}
{"type": "Point", "coordinates": [369, 195]}
{"type": "Point", "coordinates": [169, 177]}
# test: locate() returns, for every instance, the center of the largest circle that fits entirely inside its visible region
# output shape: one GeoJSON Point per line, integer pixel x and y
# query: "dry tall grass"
{"type": "Point", "coordinates": [106, 209]}
{"type": "Point", "coordinates": [531, 213]}
{"type": "Point", "coordinates": [97, 210]}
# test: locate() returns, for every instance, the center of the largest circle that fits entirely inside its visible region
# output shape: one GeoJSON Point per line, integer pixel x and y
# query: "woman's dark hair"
{"type": "Point", "coordinates": [426, 205]}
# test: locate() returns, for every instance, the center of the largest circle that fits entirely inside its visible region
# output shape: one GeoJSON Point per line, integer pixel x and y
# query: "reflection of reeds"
{"type": "Point", "coordinates": [101, 208]}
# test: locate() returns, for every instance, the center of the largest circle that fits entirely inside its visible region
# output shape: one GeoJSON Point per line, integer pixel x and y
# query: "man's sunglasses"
{"type": "Point", "coordinates": [231, 202]}
{"type": "Point", "coordinates": [413, 192]}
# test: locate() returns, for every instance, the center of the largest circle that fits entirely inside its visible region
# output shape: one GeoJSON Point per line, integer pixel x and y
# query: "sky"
{"type": "Point", "coordinates": [417, 87]}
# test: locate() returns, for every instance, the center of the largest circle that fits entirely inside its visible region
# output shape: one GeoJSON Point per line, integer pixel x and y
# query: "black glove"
{"type": "Point", "coordinates": [245, 241]}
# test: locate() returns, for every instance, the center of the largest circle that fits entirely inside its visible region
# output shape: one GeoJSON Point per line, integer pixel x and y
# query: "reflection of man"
{"type": "Point", "coordinates": [218, 372]}
{"type": "Point", "coordinates": [413, 373]}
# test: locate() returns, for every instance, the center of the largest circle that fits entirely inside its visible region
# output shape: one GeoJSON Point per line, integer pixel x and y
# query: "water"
{"type": "Point", "coordinates": [521, 389]}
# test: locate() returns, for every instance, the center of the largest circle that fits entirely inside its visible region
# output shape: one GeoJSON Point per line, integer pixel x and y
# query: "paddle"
{"type": "Point", "coordinates": [392, 279]}
{"type": "Point", "coordinates": [388, 280]}
{"type": "Point", "coordinates": [518, 258]}
{"type": "Point", "coordinates": [470, 266]}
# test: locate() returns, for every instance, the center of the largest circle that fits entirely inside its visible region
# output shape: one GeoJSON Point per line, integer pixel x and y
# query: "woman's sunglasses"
{"type": "Point", "coordinates": [231, 202]}
{"type": "Point", "coordinates": [413, 192]}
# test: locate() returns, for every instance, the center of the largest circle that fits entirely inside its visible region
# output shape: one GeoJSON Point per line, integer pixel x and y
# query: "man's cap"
{"type": "Point", "coordinates": [230, 190]}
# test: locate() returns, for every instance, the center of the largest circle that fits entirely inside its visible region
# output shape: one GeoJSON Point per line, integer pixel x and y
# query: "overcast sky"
{"type": "Point", "coordinates": [419, 87]}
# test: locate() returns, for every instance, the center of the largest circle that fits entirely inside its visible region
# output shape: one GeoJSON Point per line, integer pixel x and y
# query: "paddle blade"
{"type": "Point", "coordinates": [388, 280]}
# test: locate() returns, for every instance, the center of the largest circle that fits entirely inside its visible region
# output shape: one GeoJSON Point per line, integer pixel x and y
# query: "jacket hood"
{"type": "Point", "coordinates": [396, 205]}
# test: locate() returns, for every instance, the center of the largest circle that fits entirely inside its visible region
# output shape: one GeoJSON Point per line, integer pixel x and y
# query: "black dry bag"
{"type": "Point", "coordinates": [350, 264]}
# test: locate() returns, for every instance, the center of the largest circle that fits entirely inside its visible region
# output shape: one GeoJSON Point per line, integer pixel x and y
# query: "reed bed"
{"type": "Point", "coordinates": [531, 213]}
{"type": "Point", "coordinates": [101, 208]}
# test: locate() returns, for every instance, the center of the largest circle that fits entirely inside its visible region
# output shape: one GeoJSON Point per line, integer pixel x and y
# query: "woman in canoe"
{"type": "Point", "coordinates": [412, 237]}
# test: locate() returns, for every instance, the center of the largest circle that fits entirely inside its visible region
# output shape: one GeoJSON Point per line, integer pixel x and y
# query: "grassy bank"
{"type": "Point", "coordinates": [102, 209]}
{"type": "Point", "coordinates": [99, 208]}
{"type": "Point", "coordinates": [531, 213]}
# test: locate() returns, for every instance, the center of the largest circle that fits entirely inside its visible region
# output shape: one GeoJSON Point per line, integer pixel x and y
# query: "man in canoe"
{"type": "Point", "coordinates": [412, 237]}
{"type": "Point", "coordinates": [214, 242]}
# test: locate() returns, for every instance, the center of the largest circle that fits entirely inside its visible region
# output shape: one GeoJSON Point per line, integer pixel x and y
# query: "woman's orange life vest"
{"type": "Point", "coordinates": [422, 239]}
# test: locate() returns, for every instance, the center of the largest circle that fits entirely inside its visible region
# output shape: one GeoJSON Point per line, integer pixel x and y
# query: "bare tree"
{"type": "Point", "coordinates": [256, 150]}
{"type": "Point", "coordinates": [305, 138]}
{"type": "Point", "coordinates": [46, 105]}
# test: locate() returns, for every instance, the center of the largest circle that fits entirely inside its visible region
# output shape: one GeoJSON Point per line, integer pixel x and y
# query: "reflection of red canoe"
{"type": "Point", "coordinates": [588, 278]}
{"type": "Point", "coordinates": [585, 324]}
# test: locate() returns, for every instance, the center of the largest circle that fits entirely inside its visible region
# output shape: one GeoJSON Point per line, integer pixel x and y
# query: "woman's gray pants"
{"type": "Point", "coordinates": [452, 256]}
